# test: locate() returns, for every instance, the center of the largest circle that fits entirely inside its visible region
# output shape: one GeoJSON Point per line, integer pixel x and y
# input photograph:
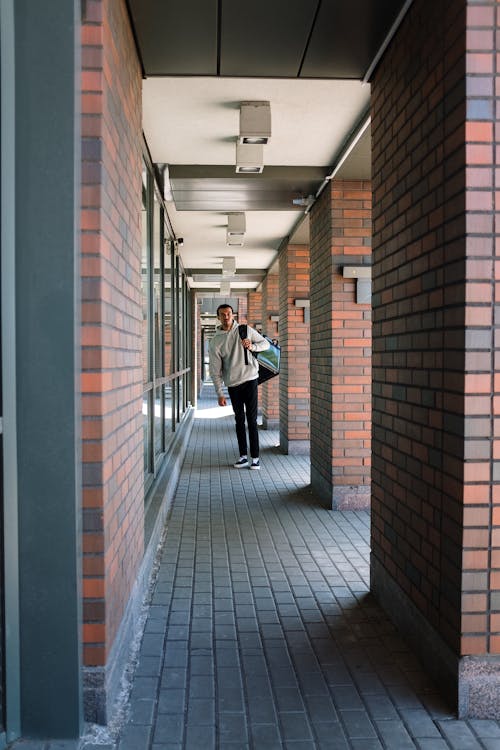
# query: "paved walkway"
{"type": "Point", "coordinates": [262, 633]}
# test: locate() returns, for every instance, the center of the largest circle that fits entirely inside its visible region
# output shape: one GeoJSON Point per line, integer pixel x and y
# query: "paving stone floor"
{"type": "Point", "coordinates": [261, 632]}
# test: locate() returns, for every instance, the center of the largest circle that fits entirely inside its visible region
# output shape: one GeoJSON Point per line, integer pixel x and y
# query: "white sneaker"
{"type": "Point", "coordinates": [241, 463]}
{"type": "Point", "coordinates": [255, 464]}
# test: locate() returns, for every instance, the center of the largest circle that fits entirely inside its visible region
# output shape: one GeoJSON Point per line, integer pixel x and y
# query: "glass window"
{"type": "Point", "coordinates": [145, 276]}
{"type": "Point", "coordinates": [157, 287]}
{"type": "Point", "coordinates": [164, 338]}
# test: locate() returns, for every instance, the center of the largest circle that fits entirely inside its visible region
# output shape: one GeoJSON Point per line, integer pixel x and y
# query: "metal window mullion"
{"type": "Point", "coordinates": [9, 417]}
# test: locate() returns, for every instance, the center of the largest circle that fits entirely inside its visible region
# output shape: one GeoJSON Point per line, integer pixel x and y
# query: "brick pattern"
{"type": "Point", "coordinates": [111, 380]}
{"type": "Point", "coordinates": [294, 413]}
{"type": "Point", "coordinates": [341, 344]}
{"type": "Point", "coordinates": [270, 391]}
{"type": "Point", "coordinates": [254, 308]}
{"type": "Point", "coordinates": [431, 488]}
{"type": "Point", "coordinates": [480, 626]}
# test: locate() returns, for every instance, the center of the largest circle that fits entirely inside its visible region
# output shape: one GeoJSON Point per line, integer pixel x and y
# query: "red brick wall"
{"type": "Point", "coordinates": [340, 346]}
{"type": "Point", "coordinates": [113, 495]}
{"type": "Point", "coordinates": [270, 391]}
{"type": "Point", "coordinates": [294, 341]}
{"type": "Point", "coordinates": [422, 329]}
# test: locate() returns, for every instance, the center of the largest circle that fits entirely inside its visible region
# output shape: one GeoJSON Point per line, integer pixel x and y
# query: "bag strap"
{"type": "Point", "coordinates": [243, 331]}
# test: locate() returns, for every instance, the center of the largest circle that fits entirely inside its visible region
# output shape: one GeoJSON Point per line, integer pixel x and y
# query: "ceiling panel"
{"type": "Point", "coordinates": [263, 38]}
{"type": "Point", "coordinates": [220, 188]}
{"type": "Point", "coordinates": [347, 36]}
{"type": "Point", "coordinates": [176, 37]}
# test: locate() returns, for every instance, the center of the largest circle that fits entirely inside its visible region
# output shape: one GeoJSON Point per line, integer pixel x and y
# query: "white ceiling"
{"type": "Point", "coordinates": [195, 121]}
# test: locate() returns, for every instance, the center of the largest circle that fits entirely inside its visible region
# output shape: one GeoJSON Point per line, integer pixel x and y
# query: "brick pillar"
{"type": "Point", "coordinates": [112, 472]}
{"type": "Point", "coordinates": [436, 500]}
{"type": "Point", "coordinates": [242, 307]}
{"type": "Point", "coordinates": [254, 314]}
{"type": "Point", "coordinates": [294, 342]}
{"type": "Point", "coordinates": [340, 347]}
{"type": "Point", "coordinates": [270, 391]}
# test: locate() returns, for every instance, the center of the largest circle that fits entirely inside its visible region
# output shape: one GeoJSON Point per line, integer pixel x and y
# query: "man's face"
{"type": "Point", "coordinates": [226, 318]}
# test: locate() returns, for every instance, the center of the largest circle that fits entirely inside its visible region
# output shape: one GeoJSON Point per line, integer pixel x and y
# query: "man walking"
{"type": "Point", "coordinates": [231, 363]}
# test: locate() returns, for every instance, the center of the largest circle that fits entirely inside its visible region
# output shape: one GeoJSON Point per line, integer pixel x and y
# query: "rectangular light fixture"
{"type": "Point", "coordinates": [236, 227]}
{"type": "Point", "coordinates": [249, 158]}
{"type": "Point", "coordinates": [228, 266]}
{"type": "Point", "coordinates": [236, 223]}
{"type": "Point", "coordinates": [225, 288]}
{"type": "Point", "coordinates": [255, 122]}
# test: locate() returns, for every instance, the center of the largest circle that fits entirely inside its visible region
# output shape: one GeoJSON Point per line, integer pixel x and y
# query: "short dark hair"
{"type": "Point", "coordinates": [221, 307]}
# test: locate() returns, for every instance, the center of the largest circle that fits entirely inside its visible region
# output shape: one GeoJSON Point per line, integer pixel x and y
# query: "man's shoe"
{"type": "Point", "coordinates": [241, 463]}
{"type": "Point", "coordinates": [255, 464]}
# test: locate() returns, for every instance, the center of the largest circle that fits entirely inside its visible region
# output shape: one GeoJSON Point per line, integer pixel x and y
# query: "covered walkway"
{"type": "Point", "coordinates": [261, 632]}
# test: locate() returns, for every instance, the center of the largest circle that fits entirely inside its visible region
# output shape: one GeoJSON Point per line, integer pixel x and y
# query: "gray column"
{"type": "Point", "coordinates": [47, 359]}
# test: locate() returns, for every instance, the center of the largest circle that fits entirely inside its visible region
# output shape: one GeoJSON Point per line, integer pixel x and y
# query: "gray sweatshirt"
{"type": "Point", "coordinates": [227, 357]}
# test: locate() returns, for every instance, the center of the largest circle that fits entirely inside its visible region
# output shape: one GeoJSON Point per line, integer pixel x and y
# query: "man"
{"type": "Point", "coordinates": [228, 352]}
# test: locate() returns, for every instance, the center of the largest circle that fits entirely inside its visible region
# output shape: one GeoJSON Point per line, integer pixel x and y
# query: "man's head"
{"type": "Point", "coordinates": [225, 314]}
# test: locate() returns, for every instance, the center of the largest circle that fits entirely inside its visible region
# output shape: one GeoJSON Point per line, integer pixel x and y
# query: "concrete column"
{"type": "Point", "coordinates": [340, 230]}
{"type": "Point", "coordinates": [294, 342]}
{"type": "Point", "coordinates": [47, 183]}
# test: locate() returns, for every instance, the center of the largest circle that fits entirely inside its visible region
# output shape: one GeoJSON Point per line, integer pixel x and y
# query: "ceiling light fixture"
{"type": "Point", "coordinates": [236, 223]}
{"type": "Point", "coordinates": [228, 266]}
{"type": "Point", "coordinates": [249, 158]}
{"type": "Point", "coordinates": [236, 227]}
{"type": "Point", "coordinates": [255, 123]}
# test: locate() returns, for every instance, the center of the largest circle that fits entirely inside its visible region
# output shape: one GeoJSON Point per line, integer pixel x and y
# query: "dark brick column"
{"type": "Point", "coordinates": [436, 521]}
{"type": "Point", "coordinates": [294, 342]}
{"type": "Point", "coordinates": [340, 347]}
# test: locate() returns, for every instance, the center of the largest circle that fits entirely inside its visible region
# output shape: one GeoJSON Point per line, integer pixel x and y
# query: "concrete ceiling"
{"type": "Point", "coordinates": [310, 60]}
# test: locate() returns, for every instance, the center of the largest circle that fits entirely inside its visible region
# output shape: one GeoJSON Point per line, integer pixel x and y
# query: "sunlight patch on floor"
{"type": "Point", "coordinates": [214, 412]}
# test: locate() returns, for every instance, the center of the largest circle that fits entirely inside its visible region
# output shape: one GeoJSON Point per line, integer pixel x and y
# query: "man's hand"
{"type": "Point", "coordinates": [246, 343]}
{"type": "Point", "coordinates": [222, 401]}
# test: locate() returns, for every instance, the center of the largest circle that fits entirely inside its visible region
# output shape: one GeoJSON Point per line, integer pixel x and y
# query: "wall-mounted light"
{"type": "Point", "coordinates": [255, 123]}
{"type": "Point", "coordinates": [363, 276]}
{"type": "Point", "coordinates": [304, 202]}
{"type": "Point", "coordinates": [305, 304]}
{"type": "Point", "coordinates": [249, 158]}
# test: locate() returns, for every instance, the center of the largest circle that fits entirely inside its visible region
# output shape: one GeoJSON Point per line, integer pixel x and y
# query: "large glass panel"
{"type": "Point", "coordinates": [145, 276]}
{"type": "Point", "coordinates": [167, 303]}
{"type": "Point", "coordinates": [168, 343]}
{"type": "Point", "coordinates": [158, 421]}
{"type": "Point", "coordinates": [168, 392]}
{"type": "Point", "coordinates": [147, 409]}
{"type": "Point", "coordinates": [157, 290]}
{"type": "Point", "coordinates": [145, 430]}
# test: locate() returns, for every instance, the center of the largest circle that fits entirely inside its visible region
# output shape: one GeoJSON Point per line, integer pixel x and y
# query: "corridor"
{"type": "Point", "coordinates": [261, 632]}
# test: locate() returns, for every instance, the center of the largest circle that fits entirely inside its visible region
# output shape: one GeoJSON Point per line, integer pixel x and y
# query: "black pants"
{"type": "Point", "coordinates": [244, 398]}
